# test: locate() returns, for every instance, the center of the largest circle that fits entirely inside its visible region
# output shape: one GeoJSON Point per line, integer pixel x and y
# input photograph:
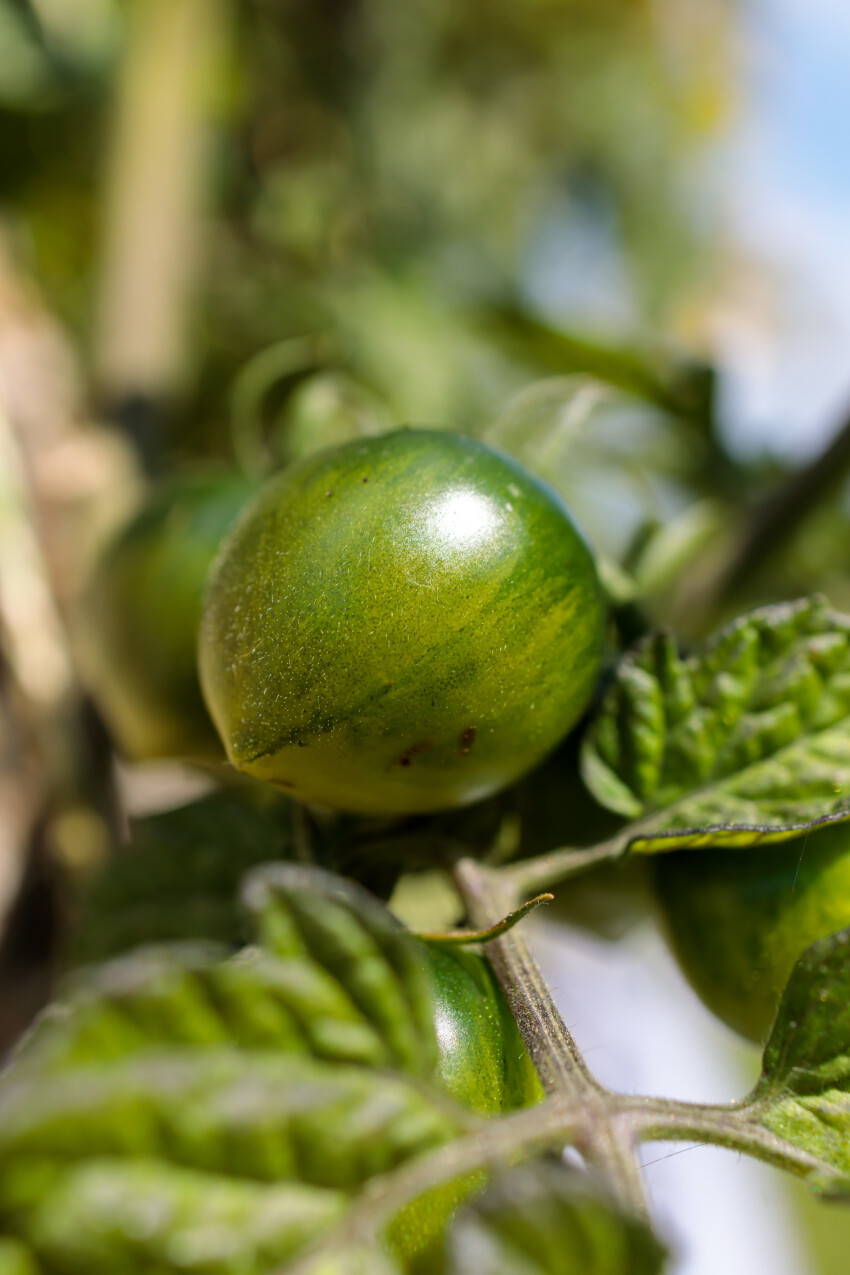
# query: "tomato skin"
{"type": "Point", "coordinates": [400, 625]}
{"type": "Point", "coordinates": [482, 1059]}
{"type": "Point", "coordinates": [484, 1065]}
{"type": "Point", "coordinates": [738, 920]}
{"type": "Point", "coordinates": [138, 629]}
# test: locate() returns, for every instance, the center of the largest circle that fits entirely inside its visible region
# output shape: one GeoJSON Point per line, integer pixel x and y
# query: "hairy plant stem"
{"type": "Point", "coordinates": [553, 1051]}
{"type": "Point", "coordinates": [559, 865]}
{"type": "Point", "coordinates": [734, 1127]}
{"type": "Point", "coordinates": [606, 1144]}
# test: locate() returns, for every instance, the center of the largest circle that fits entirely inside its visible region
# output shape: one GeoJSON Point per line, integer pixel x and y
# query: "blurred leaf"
{"type": "Point", "coordinates": [803, 1095]}
{"type": "Point", "coordinates": [179, 877]}
{"type": "Point", "coordinates": [263, 1116]}
{"type": "Point", "coordinates": [173, 1082]}
{"type": "Point", "coordinates": [336, 977]}
{"type": "Point", "coordinates": [24, 70]}
{"type": "Point", "coordinates": [543, 1219]}
{"type": "Point", "coordinates": [746, 742]}
{"type": "Point", "coordinates": [107, 1217]}
{"type": "Point", "coordinates": [328, 409]}
{"type": "Point", "coordinates": [561, 353]}
{"type": "Point", "coordinates": [16, 1259]}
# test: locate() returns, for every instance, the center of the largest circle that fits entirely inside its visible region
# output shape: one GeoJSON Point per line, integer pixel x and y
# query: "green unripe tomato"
{"type": "Point", "coordinates": [739, 920]}
{"type": "Point", "coordinates": [482, 1060]}
{"type": "Point", "coordinates": [139, 625]}
{"type": "Point", "coordinates": [403, 624]}
{"type": "Point", "coordinates": [484, 1065]}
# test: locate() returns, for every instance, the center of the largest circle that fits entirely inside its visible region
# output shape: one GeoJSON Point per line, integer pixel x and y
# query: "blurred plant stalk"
{"type": "Point", "coordinates": [156, 186]}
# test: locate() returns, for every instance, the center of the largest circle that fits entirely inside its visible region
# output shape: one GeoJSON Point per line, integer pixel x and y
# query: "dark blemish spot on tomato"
{"type": "Point", "coordinates": [365, 480]}
{"type": "Point", "coordinates": [467, 739]}
{"type": "Point", "coordinates": [328, 493]}
{"type": "Point", "coordinates": [424, 746]}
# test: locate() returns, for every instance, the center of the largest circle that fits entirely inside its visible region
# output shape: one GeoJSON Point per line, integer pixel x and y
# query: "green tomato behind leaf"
{"type": "Point", "coordinates": [739, 920]}
{"type": "Point", "coordinates": [401, 625]}
{"type": "Point", "coordinates": [482, 1060]}
{"type": "Point", "coordinates": [482, 1063]}
{"type": "Point", "coordinates": [138, 631]}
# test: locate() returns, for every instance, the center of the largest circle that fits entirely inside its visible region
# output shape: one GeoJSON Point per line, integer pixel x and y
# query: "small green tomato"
{"type": "Point", "coordinates": [138, 629]}
{"type": "Point", "coordinates": [483, 1064]}
{"type": "Point", "coordinates": [482, 1060]}
{"type": "Point", "coordinates": [403, 624]}
{"type": "Point", "coordinates": [739, 920]}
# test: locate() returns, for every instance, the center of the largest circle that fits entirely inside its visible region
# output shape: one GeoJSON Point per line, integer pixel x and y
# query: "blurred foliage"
{"type": "Point", "coordinates": [477, 216]}
{"type": "Point", "coordinates": [387, 176]}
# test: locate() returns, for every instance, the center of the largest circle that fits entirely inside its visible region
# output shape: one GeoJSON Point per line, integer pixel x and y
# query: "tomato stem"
{"type": "Point", "coordinates": [553, 1051]}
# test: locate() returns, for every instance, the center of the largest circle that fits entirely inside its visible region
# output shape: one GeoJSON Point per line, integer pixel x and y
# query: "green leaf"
{"type": "Point", "coordinates": [803, 1095]}
{"type": "Point", "coordinates": [318, 922]}
{"type": "Point", "coordinates": [544, 1219]}
{"type": "Point", "coordinates": [337, 979]}
{"type": "Point", "coordinates": [746, 742]}
{"type": "Point", "coordinates": [265, 1117]}
{"type": "Point", "coordinates": [239, 1102]}
{"type": "Point", "coordinates": [108, 1217]}
{"type": "Point", "coordinates": [675, 389]}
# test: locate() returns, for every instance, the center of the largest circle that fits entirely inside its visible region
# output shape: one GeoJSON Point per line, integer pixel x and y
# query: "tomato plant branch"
{"type": "Point", "coordinates": [605, 1127]}
{"type": "Point", "coordinates": [559, 865]}
{"type": "Point", "coordinates": [733, 1126]}
{"type": "Point", "coordinates": [610, 1146]}
{"type": "Point", "coordinates": [550, 1044]}
{"type": "Point", "coordinates": [605, 1144]}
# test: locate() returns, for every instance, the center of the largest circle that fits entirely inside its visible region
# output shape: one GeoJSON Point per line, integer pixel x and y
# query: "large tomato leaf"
{"type": "Point", "coordinates": [265, 1117]}
{"type": "Point", "coordinates": [745, 742]}
{"type": "Point", "coordinates": [106, 1217]}
{"type": "Point", "coordinates": [334, 977]}
{"type": "Point", "coordinates": [186, 1109]}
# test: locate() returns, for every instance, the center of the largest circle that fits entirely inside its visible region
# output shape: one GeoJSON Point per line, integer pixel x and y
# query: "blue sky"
{"type": "Point", "coordinates": [785, 185]}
